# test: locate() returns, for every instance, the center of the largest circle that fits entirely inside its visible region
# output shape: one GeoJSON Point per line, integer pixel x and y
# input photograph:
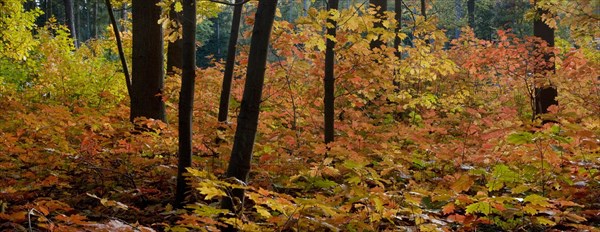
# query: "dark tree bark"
{"type": "Point", "coordinates": [115, 27]}
{"type": "Point", "coordinates": [424, 9]}
{"type": "Point", "coordinates": [186, 98]}
{"type": "Point", "coordinates": [382, 7]}
{"type": "Point", "coordinates": [147, 68]}
{"type": "Point", "coordinates": [305, 7]}
{"type": "Point", "coordinates": [545, 96]}
{"type": "Point", "coordinates": [471, 13]}
{"type": "Point", "coordinates": [398, 17]}
{"type": "Point", "coordinates": [241, 154]}
{"type": "Point", "coordinates": [70, 20]}
{"type": "Point", "coordinates": [329, 80]}
{"type": "Point", "coordinates": [458, 8]}
{"type": "Point", "coordinates": [174, 49]}
{"type": "Point", "coordinates": [230, 62]}
{"type": "Point", "coordinates": [95, 20]}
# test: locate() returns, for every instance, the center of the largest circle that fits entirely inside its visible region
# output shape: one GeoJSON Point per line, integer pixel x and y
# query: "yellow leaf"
{"type": "Point", "coordinates": [545, 221]}
{"type": "Point", "coordinates": [211, 192]}
{"type": "Point", "coordinates": [178, 7]}
{"type": "Point", "coordinates": [262, 211]}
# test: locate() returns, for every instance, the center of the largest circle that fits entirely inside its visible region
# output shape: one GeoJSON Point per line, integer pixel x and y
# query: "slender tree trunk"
{"type": "Point", "coordinates": [381, 6]}
{"type": "Point", "coordinates": [147, 68]}
{"type": "Point", "coordinates": [424, 9]}
{"type": "Point", "coordinates": [329, 80]}
{"type": "Point", "coordinates": [70, 20]}
{"type": "Point", "coordinates": [459, 14]}
{"type": "Point", "coordinates": [471, 13]}
{"type": "Point", "coordinates": [95, 20]}
{"type": "Point", "coordinates": [398, 16]}
{"type": "Point", "coordinates": [305, 7]}
{"type": "Point", "coordinates": [174, 49]}
{"type": "Point", "coordinates": [186, 98]}
{"type": "Point", "coordinates": [241, 154]}
{"type": "Point", "coordinates": [230, 63]}
{"type": "Point", "coordinates": [78, 23]}
{"type": "Point", "coordinates": [218, 34]}
{"type": "Point", "coordinates": [115, 27]}
{"type": "Point", "coordinates": [545, 96]}
{"type": "Point", "coordinates": [124, 15]}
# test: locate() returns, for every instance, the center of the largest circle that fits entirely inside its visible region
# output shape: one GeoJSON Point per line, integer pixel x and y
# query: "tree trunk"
{"type": "Point", "coordinates": [95, 20]}
{"type": "Point", "coordinates": [174, 49]}
{"type": "Point", "coordinates": [424, 9]}
{"type": "Point", "coordinates": [70, 20]}
{"type": "Point", "coordinates": [305, 7]}
{"type": "Point", "coordinates": [381, 6]}
{"type": "Point", "coordinates": [147, 68]}
{"type": "Point", "coordinates": [459, 14]}
{"type": "Point", "coordinates": [78, 23]}
{"type": "Point", "coordinates": [241, 154]}
{"type": "Point", "coordinates": [329, 80]}
{"type": "Point", "coordinates": [545, 96]}
{"type": "Point", "coordinates": [230, 62]}
{"type": "Point", "coordinates": [115, 27]}
{"type": "Point", "coordinates": [471, 13]}
{"type": "Point", "coordinates": [398, 17]}
{"type": "Point", "coordinates": [186, 99]}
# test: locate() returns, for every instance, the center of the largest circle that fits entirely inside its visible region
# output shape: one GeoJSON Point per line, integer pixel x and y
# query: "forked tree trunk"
{"type": "Point", "coordinates": [241, 154]}
{"type": "Point", "coordinates": [186, 98]}
{"type": "Point", "coordinates": [329, 80]}
{"type": "Point", "coordinates": [230, 62]}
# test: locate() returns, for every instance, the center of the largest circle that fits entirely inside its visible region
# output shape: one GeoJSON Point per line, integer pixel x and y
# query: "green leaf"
{"type": "Point", "coordinates": [535, 199]}
{"type": "Point", "coordinates": [501, 176]}
{"type": "Point", "coordinates": [324, 183]}
{"type": "Point", "coordinates": [479, 207]}
{"type": "Point", "coordinates": [520, 138]}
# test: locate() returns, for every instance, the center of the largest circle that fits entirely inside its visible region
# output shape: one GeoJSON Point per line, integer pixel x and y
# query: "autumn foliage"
{"type": "Point", "coordinates": [442, 139]}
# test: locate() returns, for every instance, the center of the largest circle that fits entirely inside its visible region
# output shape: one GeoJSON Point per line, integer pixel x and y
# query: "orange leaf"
{"type": "Point", "coordinates": [448, 208]}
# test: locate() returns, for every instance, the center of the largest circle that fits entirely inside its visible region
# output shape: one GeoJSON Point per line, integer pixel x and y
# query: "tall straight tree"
{"type": "Point", "coordinates": [147, 63]}
{"type": "Point", "coordinates": [398, 17]}
{"type": "Point", "coordinates": [471, 12]}
{"type": "Point", "coordinates": [458, 8]}
{"type": "Point", "coordinates": [381, 7]}
{"type": "Point", "coordinates": [115, 27]}
{"type": "Point", "coordinates": [424, 9]}
{"type": "Point", "coordinates": [329, 80]}
{"type": "Point", "coordinates": [174, 48]}
{"type": "Point", "coordinates": [230, 62]}
{"type": "Point", "coordinates": [247, 123]}
{"type": "Point", "coordinates": [545, 96]}
{"type": "Point", "coordinates": [186, 98]}
{"type": "Point", "coordinates": [70, 20]}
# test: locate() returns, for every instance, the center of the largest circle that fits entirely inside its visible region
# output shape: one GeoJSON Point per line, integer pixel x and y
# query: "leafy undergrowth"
{"type": "Point", "coordinates": [440, 141]}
